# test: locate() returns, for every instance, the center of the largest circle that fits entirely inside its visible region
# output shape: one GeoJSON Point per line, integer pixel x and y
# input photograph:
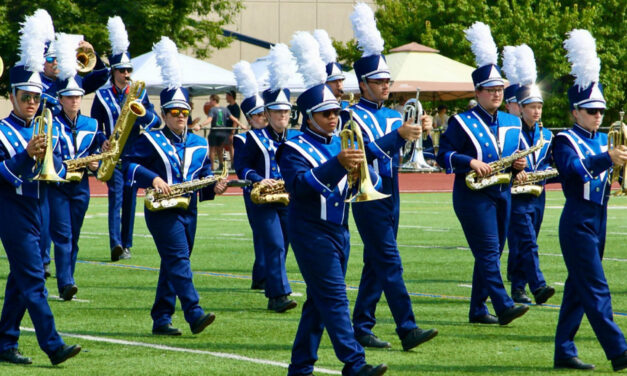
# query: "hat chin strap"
{"type": "Point", "coordinates": [270, 123]}
{"type": "Point", "coordinates": [16, 109]}
{"type": "Point", "coordinates": [317, 126]}
{"type": "Point", "coordinates": [365, 81]}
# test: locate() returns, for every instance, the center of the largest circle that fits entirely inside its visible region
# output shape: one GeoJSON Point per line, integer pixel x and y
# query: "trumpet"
{"type": "Point", "coordinates": [351, 136]}
{"type": "Point", "coordinates": [1, 67]}
{"type": "Point", "coordinates": [86, 59]}
{"type": "Point", "coordinates": [42, 126]}
{"type": "Point", "coordinates": [617, 137]}
{"type": "Point", "coordinates": [416, 160]}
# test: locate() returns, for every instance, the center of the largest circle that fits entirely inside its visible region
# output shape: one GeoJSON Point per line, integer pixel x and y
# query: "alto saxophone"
{"type": "Point", "coordinates": [266, 194]}
{"type": "Point", "coordinates": [156, 200]}
{"type": "Point", "coordinates": [498, 176]}
{"type": "Point", "coordinates": [529, 186]}
{"type": "Point", "coordinates": [131, 110]}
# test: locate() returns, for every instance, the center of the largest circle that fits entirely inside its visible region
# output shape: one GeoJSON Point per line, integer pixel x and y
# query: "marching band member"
{"type": "Point", "coordinates": [377, 221]}
{"type": "Point", "coordinates": [79, 137]}
{"type": "Point", "coordinates": [159, 159]}
{"type": "Point", "coordinates": [260, 166]}
{"type": "Point", "coordinates": [20, 205]}
{"type": "Point", "coordinates": [472, 140]}
{"type": "Point", "coordinates": [584, 163]}
{"type": "Point", "coordinates": [253, 108]}
{"type": "Point", "coordinates": [314, 167]}
{"type": "Point", "coordinates": [106, 108]}
{"type": "Point", "coordinates": [527, 210]}
{"type": "Point", "coordinates": [335, 76]}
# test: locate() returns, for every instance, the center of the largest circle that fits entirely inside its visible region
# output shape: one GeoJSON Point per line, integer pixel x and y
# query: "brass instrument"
{"type": "Point", "coordinates": [529, 186]}
{"type": "Point", "coordinates": [351, 136]}
{"type": "Point", "coordinates": [74, 167]}
{"type": "Point", "coordinates": [617, 137]}
{"type": "Point", "coordinates": [497, 176]}
{"type": "Point", "coordinates": [131, 110]}
{"type": "Point", "coordinates": [42, 125]}
{"type": "Point", "coordinates": [435, 137]}
{"type": "Point", "coordinates": [266, 194]}
{"type": "Point", "coordinates": [86, 59]}
{"type": "Point", "coordinates": [416, 160]}
{"type": "Point", "coordinates": [156, 200]}
{"type": "Point", "coordinates": [1, 67]}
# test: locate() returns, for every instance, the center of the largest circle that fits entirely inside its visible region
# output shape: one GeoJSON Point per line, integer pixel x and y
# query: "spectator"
{"type": "Point", "coordinates": [441, 118]}
{"type": "Point", "coordinates": [193, 124]}
{"type": "Point", "coordinates": [234, 109]}
{"type": "Point", "coordinates": [218, 136]}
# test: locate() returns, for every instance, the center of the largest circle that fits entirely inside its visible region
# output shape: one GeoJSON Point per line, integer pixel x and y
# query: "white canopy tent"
{"type": "Point", "coordinates": [199, 77]}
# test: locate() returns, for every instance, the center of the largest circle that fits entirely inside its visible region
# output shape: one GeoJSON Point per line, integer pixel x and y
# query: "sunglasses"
{"type": "Point", "coordinates": [177, 111]}
{"type": "Point", "coordinates": [124, 70]}
{"type": "Point", "coordinates": [593, 111]}
{"type": "Point", "coordinates": [51, 59]}
{"type": "Point", "coordinates": [328, 113]}
{"type": "Point", "coordinates": [28, 97]}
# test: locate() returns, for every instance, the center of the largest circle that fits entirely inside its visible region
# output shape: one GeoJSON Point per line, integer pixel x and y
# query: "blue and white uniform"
{"type": "Point", "coordinates": [175, 159]}
{"type": "Point", "coordinates": [483, 214]}
{"type": "Point", "coordinates": [377, 222]}
{"type": "Point", "coordinates": [69, 201]}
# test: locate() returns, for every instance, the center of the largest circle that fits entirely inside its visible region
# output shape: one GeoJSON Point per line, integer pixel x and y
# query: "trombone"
{"type": "Point", "coordinates": [351, 136]}
{"type": "Point", "coordinates": [42, 126]}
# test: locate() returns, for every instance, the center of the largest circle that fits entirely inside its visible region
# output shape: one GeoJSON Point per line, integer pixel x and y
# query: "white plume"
{"type": "Point", "coordinates": [509, 64]}
{"type": "Point", "coordinates": [118, 37]}
{"type": "Point", "coordinates": [65, 48]}
{"type": "Point", "coordinates": [365, 29]}
{"type": "Point", "coordinates": [47, 28]}
{"type": "Point", "coordinates": [582, 54]}
{"type": "Point", "coordinates": [245, 78]}
{"type": "Point", "coordinates": [33, 36]}
{"type": "Point", "coordinates": [282, 66]}
{"type": "Point", "coordinates": [327, 51]}
{"type": "Point", "coordinates": [167, 58]}
{"type": "Point", "coordinates": [482, 44]}
{"type": "Point", "coordinates": [307, 52]}
{"type": "Point", "coordinates": [526, 64]}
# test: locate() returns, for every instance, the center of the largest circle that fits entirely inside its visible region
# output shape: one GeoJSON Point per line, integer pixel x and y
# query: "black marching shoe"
{"type": "Point", "coordinates": [64, 353]}
{"type": "Point", "coordinates": [512, 313]}
{"type": "Point", "coordinates": [369, 370]}
{"type": "Point", "coordinates": [47, 271]}
{"type": "Point", "coordinates": [620, 362]}
{"type": "Point", "coordinates": [258, 285]}
{"type": "Point", "coordinates": [126, 254]}
{"type": "Point", "coordinates": [166, 330]}
{"type": "Point", "coordinates": [572, 363]}
{"type": "Point", "coordinates": [416, 337]}
{"type": "Point", "coordinates": [202, 323]}
{"type": "Point", "coordinates": [543, 294]}
{"type": "Point", "coordinates": [520, 296]}
{"type": "Point", "coordinates": [370, 340]}
{"type": "Point", "coordinates": [281, 304]}
{"type": "Point", "coordinates": [68, 292]}
{"type": "Point", "coordinates": [485, 319]}
{"type": "Point", "coordinates": [15, 357]}
{"type": "Point", "coordinates": [116, 252]}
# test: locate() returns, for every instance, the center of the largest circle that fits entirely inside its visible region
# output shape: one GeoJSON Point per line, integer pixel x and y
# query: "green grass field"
{"type": "Point", "coordinates": [114, 301]}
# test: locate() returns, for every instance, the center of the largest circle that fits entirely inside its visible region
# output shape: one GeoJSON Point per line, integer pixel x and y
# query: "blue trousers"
{"type": "Point", "coordinates": [271, 221]}
{"type": "Point", "coordinates": [321, 250]}
{"type": "Point", "coordinates": [259, 265]}
{"type": "Point", "coordinates": [484, 217]}
{"type": "Point", "coordinates": [25, 289]}
{"type": "Point", "coordinates": [45, 227]}
{"type": "Point", "coordinates": [68, 205]}
{"type": "Point", "coordinates": [377, 222]}
{"type": "Point", "coordinates": [524, 226]}
{"type": "Point", "coordinates": [121, 198]}
{"type": "Point", "coordinates": [173, 231]}
{"type": "Point", "coordinates": [582, 239]}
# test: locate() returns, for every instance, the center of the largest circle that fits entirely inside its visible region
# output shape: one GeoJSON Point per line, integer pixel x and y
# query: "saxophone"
{"type": "Point", "coordinates": [155, 200]}
{"type": "Point", "coordinates": [529, 186]}
{"type": "Point", "coordinates": [498, 176]}
{"type": "Point", "coordinates": [131, 110]}
{"type": "Point", "coordinates": [75, 167]}
{"type": "Point", "coordinates": [266, 194]}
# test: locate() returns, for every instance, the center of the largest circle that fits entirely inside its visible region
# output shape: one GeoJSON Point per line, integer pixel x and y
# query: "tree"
{"type": "Point", "coordinates": [194, 24]}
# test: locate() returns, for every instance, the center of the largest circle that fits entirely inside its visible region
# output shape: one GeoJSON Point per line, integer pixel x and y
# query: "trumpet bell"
{"type": "Point", "coordinates": [367, 195]}
{"type": "Point", "coordinates": [86, 60]}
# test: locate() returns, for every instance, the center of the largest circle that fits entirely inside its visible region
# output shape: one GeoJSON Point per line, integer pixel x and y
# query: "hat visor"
{"type": "Point", "coordinates": [327, 106]}
{"type": "Point", "coordinates": [492, 83]}
{"type": "Point", "coordinates": [378, 76]}
{"type": "Point", "coordinates": [531, 100]}
{"type": "Point", "coordinates": [336, 77]}
{"type": "Point", "coordinates": [177, 104]}
{"type": "Point", "coordinates": [279, 106]}
{"type": "Point", "coordinates": [122, 65]}
{"type": "Point", "coordinates": [255, 111]}
{"type": "Point", "coordinates": [71, 93]}
{"type": "Point", "coordinates": [593, 104]}
{"type": "Point", "coordinates": [30, 88]}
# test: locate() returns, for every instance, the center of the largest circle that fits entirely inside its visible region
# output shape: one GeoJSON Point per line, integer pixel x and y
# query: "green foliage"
{"type": "Point", "coordinates": [184, 21]}
{"type": "Point", "coordinates": [542, 24]}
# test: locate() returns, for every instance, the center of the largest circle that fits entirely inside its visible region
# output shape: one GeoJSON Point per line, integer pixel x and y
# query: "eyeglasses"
{"type": "Point", "coordinates": [51, 59]}
{"type": "Point", "coordinates": [124, 70]}
{"type": "Point", "coordinates": [381, 82]}
{"type": "Point", "coordinates": [593, 111]}
{"type": "Point", "coordinates": [328, 113]}
{"type": "Point", "coordinates": [177, 111]}
{"type": "Point", "coordinates": [28, 97]}
{"type": "Point", "coordinates": [494, 91]}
